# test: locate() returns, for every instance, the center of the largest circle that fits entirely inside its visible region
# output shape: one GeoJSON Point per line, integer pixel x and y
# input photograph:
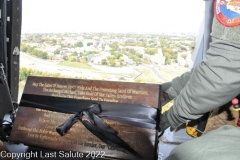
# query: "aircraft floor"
{"type": "Point", "coordinates": [167, 143]}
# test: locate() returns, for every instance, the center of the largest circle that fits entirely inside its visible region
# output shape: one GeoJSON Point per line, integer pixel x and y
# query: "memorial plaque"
{"type": "Point", "coordinates": [36, 127]}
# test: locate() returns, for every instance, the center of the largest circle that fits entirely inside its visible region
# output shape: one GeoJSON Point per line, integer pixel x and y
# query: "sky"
{"type": "Point", "coordinates": [147, 16]}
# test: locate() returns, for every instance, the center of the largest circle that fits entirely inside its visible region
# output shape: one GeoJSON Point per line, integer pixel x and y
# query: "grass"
{"type": "Point", "coordinates": [147, 76]}
{"type": "Point", "coordinates": [77, 65]}
{"type": "Point", "coordinates": [178, 69]}
{"type": "Point", "coordinates": [108, 76]}
{"type": "Point", "coordinates": [168, 75]}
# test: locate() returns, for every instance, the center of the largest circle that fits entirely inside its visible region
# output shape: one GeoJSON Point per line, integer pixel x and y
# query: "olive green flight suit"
{"type": "Point", "coordinates": [211, 84]}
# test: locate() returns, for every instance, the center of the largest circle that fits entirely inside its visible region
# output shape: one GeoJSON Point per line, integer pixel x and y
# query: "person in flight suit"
{"type": "Point", "coordinates": [212, 83]}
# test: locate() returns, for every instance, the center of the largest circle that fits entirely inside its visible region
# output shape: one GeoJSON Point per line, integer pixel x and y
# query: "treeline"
{"type": "Point", "coordinates": [173, 45]}
{"type": "Point", "coordinates": [133, 54]}
{"type": "Point", "coordinates": [153, 43]}
{"type": "Point", "coordinates": [25, 72]}
{"type": "Point", "coordinates": [167, 50]}
{"type": "Point", "coordinates": [151, 51]}
{"type": "Point", "coordinates": [33, 51]}
{"type": "Point", "coordinates": [77, 57]}
{"type": "Point", "coordinates": [118, 52]}
{"type": "Point", "coordinates": [117, 56]}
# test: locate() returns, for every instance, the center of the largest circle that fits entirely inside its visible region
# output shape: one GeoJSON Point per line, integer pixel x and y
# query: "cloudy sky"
{"type": "Point", "coordinates": [112, 15]}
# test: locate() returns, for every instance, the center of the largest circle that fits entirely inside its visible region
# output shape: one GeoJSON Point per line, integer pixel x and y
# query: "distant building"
{"type": "Point", "coordinates": [97, 58]}
{"type": "Point", "coordinates": [118, 63]}
{"type": "Point", "coordinates": [69, 42]}
{"type": "Point", "coordinates": [136, 48]}
{"type": "Point", "coordinates": [127, 61]}
{"type": "Point", "coordinates": [34, 44]}
{"type": "Point", "coordinates": [157, 59]}
{"type": "Point", "coordinates": [107, 47]}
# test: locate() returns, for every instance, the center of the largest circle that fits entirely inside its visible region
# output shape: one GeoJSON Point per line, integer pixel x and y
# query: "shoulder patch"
{"type": "Point", "coordinates": [227, 12]}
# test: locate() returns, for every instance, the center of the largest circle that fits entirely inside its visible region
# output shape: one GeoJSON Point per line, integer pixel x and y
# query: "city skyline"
{"type": "Point", "coordinates": [149, 16]}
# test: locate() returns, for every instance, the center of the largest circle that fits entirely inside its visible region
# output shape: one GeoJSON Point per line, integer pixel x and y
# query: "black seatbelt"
{"type": "Point", "coordinates": [6, 104]}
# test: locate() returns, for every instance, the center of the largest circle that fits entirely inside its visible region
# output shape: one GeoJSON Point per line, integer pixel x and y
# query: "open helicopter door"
{"type": "Point", "coordinates": [203, 38]}
{"type": "Point", "coordinates": [202, 45]}
{"type": "Point", "coordinates": [171, 139]}
{"type": "Point", "coordinates": [10, 33]}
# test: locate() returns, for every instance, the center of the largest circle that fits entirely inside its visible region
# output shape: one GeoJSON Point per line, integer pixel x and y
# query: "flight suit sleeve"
{"type": "Point", "coordinates": [219, 144]}
{"type": "Point", "coordinates": [213, 83]}
{"type": "Point", "coordinates": [178, 83]}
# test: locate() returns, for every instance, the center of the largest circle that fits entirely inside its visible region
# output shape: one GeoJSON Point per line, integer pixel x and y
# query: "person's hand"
{"type": "Point", "coordinates": [168, 93]}
{"type": "Point", "coordinates": [164, 124]}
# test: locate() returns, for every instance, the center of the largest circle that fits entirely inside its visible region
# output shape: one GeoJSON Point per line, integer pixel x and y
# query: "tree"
{"type": "Point", "coordinates": [167, 61]}
{"type": "Point", "coordinates": [65, 58]}
{"type": "Point", "coordinates": [139, 55]}
{"type": "Point", "coordinates": [168, 57]}
{"type": "Point", "coordinates": [74, 53]}
{"type": "Point", "coordinates": [40, 54]}
{"type": "Point", "coordinates": [84, 59]}
{"type": "Point", "coordinates": [142, 43]}
{"type": "Point", "coordinates": [174, 56]}
{"type": "Point", "coordinates": [43, 55]}
{"type": "Point", "coordinates": [91, 52]}
{"type": "Point", "coordinates": [167, 49]}
{"type": "Point", "coordinates": [57, 51]}
{"type": "Point", "coordinates": [104, 62]}
{"type": "Point", "coordinates": [151, 51]}
{"type": "Point", "coordinates": [114, 46]}
{"type": "Point", "coordinates": [72, 59]}
{"type": "Point", "coordinates": [184, 56]}
{"type": "Point", "coordinates": [23, 48]}
{"type": "Point", "coordinates": [78, 44]}
{"type": "Point", "coordinates": [89, 43]}
{"type": "Point", "coordinates": [62, 45]}
{"type": "Point", "coordinates": [56, 74]}
{"type": "Point", "coordinates": [118, 55]}
{"type": "Point", "coordinates": [81, 54]}
{"type": "Point", "coordinates": [30, 49]}
{"type": "Point", "coordinates": [53, 42]}
{"type": "Point", "coordinates": [132, 51]}
{"type": "Point", "coordinates": [24, 73]}
{"type": "Point", "coordinates": [111, 62]}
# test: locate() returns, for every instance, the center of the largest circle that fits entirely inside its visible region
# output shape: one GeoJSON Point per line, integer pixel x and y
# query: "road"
{"type": "Point", "coordinates": [49, 66]}
{"type": "Point", "coordinates": [157, 74]}
{"type": "Point", "coordinates": [172, 71]}
{"type": "Point", "coordinates": [53, 67]}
